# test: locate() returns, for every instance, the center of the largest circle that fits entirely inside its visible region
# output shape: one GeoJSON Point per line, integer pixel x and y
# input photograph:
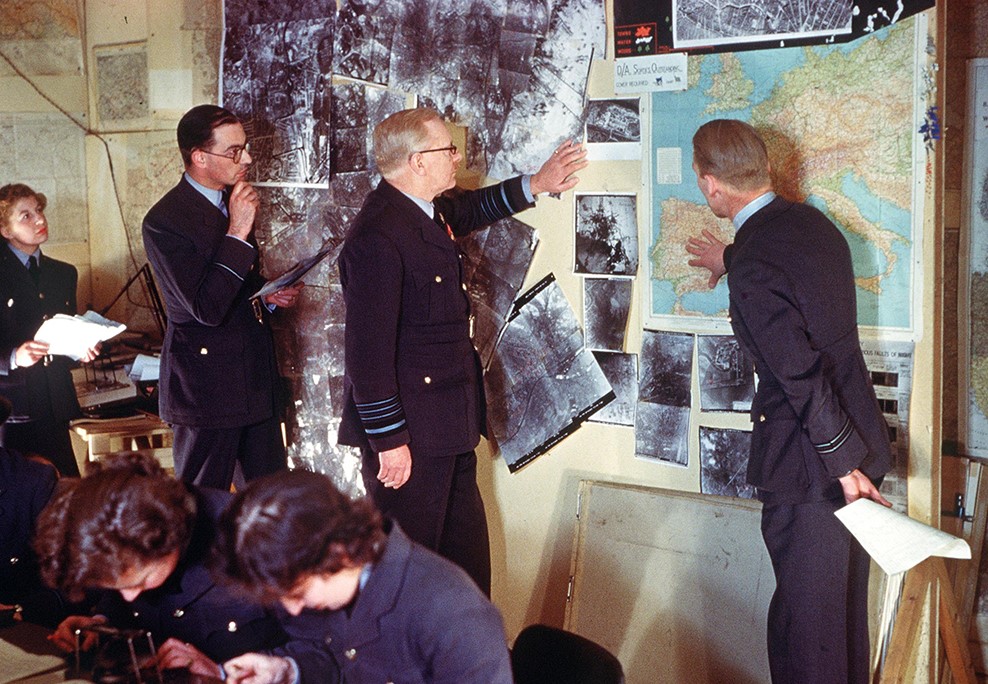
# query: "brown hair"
{"type": "Point", "coordinates": [126, 513]}
{"type": "Point", "coordinates": [399, 136]}
{"type": "Point", "coordinates": [733, 152]}
{"type": "Point", "coordinates": [9, 194]}
{"type": "Point", "coordinates": [288, 526]}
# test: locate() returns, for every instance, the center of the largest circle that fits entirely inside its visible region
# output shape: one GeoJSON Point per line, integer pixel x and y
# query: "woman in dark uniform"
{"type": "Point", "coordinates": [143, 538]}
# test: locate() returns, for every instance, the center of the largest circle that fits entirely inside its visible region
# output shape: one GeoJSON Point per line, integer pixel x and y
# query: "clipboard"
{"type": "Point", "coordinates": [302, 267]}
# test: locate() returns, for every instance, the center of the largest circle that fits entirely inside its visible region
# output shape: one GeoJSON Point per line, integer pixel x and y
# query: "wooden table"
{"type": "Point", "coordinates": [101, 437]}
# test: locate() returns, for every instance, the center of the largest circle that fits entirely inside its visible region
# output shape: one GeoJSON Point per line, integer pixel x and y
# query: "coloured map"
{"type": "Point", "coordinates": [850, 154]}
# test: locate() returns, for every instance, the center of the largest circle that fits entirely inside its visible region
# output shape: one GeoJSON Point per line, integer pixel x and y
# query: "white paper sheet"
{"type": "Point", "coordinates": [896, 541]}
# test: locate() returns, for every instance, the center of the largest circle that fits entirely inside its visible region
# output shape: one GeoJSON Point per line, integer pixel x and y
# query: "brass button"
{"type": "Point", "coordinates": [464, 286]}
{"type": "Point", "coordinates": [14, 560]}
{"type": "Point", "coordinates": [328, 640]}
{"type": "Point", "coordinates": [178, 613]}
{"type": "Point", "coordinates": [137, 613]}
{"type": "Point", "coordinates": [761, 418]}
{"type": "Point", "coordinates": [427, 380]}
{"type": "Point", "coordinates": [439, 279]}
{"type": "Point", "coordinates": [41, 295]}
{"type": "Point", "coordinates": [10, 303]}
{"type": "Point", "coordinates": [350, 653]}
{"type": "Point", "coordinates": [203, 350]}
{"type": "Point", "coordinates": [232, 627]}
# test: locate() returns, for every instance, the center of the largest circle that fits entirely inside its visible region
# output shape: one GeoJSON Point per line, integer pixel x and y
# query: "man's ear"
{"type": "Point", "coordinates": [416, 165]}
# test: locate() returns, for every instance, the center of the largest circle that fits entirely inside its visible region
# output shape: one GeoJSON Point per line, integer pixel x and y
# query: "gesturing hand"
{"type": "Point", "coordinates": [709, 251]}
{"type": "Point", "coordinates": [556, 174]}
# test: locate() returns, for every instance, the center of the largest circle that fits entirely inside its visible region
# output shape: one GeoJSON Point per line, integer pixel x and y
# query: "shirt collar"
{"type": "Point", "coordinates": [751, 207]}
{"type": "Point", "coordinates": [22, 256]}
{"type": "Point", "coordinates": [427, 207]}
{"type": "Point", "coordinates": [214, 196]}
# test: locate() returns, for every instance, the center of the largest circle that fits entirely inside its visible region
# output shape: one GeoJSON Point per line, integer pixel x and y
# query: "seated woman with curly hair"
{"type": "Point", "coordinates": [142, 538]}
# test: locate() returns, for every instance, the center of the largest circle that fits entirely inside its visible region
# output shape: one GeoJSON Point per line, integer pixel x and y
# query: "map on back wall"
{"type": "Point", "coordinates": [851, 155]}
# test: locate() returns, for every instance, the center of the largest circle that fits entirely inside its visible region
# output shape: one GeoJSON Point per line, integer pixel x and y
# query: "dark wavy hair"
{"type": "Point", "coordinates": [289, 526]}
{"type": "Point", "coordinates": [127, 512]}
{"type": "Point", "coordinates": [195, 129]}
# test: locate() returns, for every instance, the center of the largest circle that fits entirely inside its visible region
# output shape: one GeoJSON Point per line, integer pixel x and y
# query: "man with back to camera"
{"type": "Point", "coordinates": [219, 376]}
{"type": "Point", "coordinates": [413, 383]}
{"type": "Point", "coordinates": [819, 438]}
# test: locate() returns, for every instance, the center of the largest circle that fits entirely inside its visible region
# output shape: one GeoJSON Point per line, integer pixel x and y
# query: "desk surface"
{"type": "Point", "coordinates": [26, 656]}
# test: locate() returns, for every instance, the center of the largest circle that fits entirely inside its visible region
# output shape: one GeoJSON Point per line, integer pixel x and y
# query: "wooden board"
{"type": "Point", "coordinates": [676, 585]}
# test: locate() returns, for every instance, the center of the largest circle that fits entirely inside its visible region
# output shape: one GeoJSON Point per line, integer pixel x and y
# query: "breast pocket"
{"type": "Point", "coordinates": [208, 374]}
{"type": "Point", "coordinates": [436, 295]}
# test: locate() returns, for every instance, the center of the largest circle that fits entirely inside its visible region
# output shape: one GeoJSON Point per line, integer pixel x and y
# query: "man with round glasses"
{"type": "Point", "coordinates": [219, 376]}
{"type": "Point", "coordinates": [414, 399]}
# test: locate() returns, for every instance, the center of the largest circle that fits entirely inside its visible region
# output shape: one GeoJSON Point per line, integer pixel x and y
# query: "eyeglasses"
{"type": "Point", "coordinates": [449, 148]}
{"type": "Point", "coordinates": [235, 155]}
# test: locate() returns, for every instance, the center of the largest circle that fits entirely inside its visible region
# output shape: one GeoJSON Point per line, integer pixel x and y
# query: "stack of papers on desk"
{"type": "Point", "coordinates": [73, 336]}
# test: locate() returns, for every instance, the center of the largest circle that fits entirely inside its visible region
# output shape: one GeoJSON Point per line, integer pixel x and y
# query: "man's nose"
{"type": "Point", "coordinates": [130, 594]}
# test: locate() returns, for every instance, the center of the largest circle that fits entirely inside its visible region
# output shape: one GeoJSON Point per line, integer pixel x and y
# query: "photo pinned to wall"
{"type": "Point", "coordinates": [606, 234]}
{"type": "Point", "coordinates": [542, 382]}
{"type": "Point", "coordinates": [663, 413]}
{"type": "Point", "coordinates": [727, 378]}
{"type": "Point", "coordinates": [606, 304]}
{"type": "Point", "coordinates": [621, 371]}
{"type": "Point", "coordinates": [724, 462]}
{"type": "Point", "coordinates": [614, 129]}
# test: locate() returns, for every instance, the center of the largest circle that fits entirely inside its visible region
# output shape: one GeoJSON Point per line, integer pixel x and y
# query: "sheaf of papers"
{"type": "Point", "coordinates": [145, 368]}
{"type": "Point", "coordinates": [896, 541]}
{"type": "Point", "coordinates": [73, 336]}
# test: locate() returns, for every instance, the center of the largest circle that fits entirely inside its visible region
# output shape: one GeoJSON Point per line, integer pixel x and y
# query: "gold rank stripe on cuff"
{"type": "Point", "coordinates": [837, 442]}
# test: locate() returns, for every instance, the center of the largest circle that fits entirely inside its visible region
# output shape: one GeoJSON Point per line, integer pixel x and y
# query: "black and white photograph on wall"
{"type": "Point", "coordinates": [621, 371]}
{"type": "Point", "coordinates": [726, 374]}
{"type": "Point", "coordinates": [276, 78]}
{"type": "Point", "coordinates": [515, 76]}
{"type": "Point", "coordinates": [542, 383]}
{"type": "Point", "coordinates": [606, 303]}
{"type": "Point", "coordinates": [662, 433]}
{"type": "Point", "coordinates": [357, 109]}
{"type": "Point", "coordinates": [614, 129]}
{"type": "Point", "coordinates": [662, 416]}
{"type": "Point", "coordinates": [665, 368]}
{"type": "Point", "coordinates": [724, 462]}
{"type": "Point", "coordinates": [606, 235]}
{"type": "Point", "coordinates": [495, 263]}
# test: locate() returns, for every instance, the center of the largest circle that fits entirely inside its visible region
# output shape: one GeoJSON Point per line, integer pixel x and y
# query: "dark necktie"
{"type": "Point", "coordinates": [225, 202]}
{"type": "Point", "coordinates": [33, 268]}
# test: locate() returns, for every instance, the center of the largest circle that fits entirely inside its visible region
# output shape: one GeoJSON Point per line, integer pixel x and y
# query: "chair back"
{"type": "Point", "coordinates": [549, 655]}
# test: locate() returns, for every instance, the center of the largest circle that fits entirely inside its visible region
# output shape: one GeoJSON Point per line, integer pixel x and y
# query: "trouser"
{"type": "Point", "coordinates": [439, 507]}
{"type": "Point", "coordinates": [207, 456]}
{"type": "Point", "coordinates": [818, 617]}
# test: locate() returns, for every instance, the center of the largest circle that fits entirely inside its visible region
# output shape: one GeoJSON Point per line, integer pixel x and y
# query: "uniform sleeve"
{"type": "Point", "coordinates": [371, 272]}
{"type": "Point", "coordinates": [468, 646]}
{"type": "Point", "coordinates": [473, 209]}
{"type": "Point", "coordinates": [206, 285]}
{"type": "Point", "coordinates": [778, 332]}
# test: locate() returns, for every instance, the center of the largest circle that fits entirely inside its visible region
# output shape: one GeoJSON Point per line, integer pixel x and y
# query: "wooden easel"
{"type": "Point", "coordinates": [955, 605]}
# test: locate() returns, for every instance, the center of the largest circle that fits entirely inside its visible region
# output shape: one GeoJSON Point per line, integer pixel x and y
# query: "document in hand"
{"type": "Point", "coordinates": [73, 336]}
{"type": "Point", "coordinates": [292, 275]}
{"type": "Point", "coordinates": [896, 541]}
